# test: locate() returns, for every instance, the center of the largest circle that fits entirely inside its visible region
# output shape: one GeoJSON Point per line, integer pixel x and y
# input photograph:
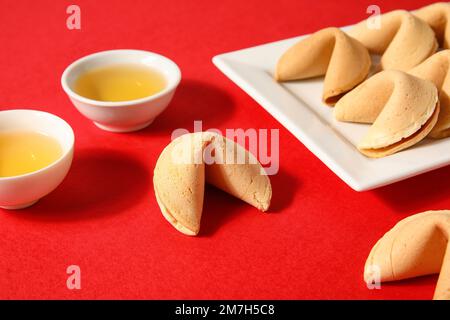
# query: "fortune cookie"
{"type": "Point", "coordinates": [402, 109]}
{"type": "Point", "coordinates": [437, 16]}
{"type": "Point", "coordinates": [436, 69]}
{"type": "Point", "coordinates": [402, 39]}
{"type": "Point", "coordinates": [344, 61]}
{"type": "Point", "coordinates": [416, 246]}
{"type": "Point", "coordinates": [190, 160]}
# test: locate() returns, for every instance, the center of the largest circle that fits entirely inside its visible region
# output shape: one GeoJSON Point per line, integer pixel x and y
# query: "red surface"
{"type": "Point", "coordinates": [104, 216]}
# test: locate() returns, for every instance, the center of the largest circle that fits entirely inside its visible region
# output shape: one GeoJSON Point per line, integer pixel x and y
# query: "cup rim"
{"type": "Point", "coordinates": [54, 163]}
{"type": "Point", "coordinates": [72, 94]}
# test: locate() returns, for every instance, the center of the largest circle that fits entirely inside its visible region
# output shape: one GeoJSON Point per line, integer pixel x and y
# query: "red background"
{"type": "Point", "coordinates": [104, 216]}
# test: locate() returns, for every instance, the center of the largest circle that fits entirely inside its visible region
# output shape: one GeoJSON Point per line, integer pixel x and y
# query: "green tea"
{"type": "Point", "coordinates": [25, 152]}
{"type": "Point", "coordinates": [121, 82]}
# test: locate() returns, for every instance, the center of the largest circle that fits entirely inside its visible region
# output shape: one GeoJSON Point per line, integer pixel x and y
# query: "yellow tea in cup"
{"type": "Point", "coordinates": [120, 82]}
{"type": "Point", "coordinates": [25, 152]}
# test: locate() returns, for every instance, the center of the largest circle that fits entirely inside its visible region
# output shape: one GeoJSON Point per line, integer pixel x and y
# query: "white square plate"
{"type": "Point", "coordinates": [298, 107]}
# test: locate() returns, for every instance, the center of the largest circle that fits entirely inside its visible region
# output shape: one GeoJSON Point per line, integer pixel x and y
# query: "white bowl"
{"type": "Point", "coordinates": [22, 191]}
{"type": "Point", "coordinates": [122, 116]}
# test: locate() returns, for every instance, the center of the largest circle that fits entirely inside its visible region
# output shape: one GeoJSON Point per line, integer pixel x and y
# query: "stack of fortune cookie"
{"type": "Point", "coordinates": [405, 97]}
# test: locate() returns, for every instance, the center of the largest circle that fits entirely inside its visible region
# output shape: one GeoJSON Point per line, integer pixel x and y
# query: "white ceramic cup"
{"type": "Point", "coordinates": [22, 191]}
{"type": "Point", "coordinates": [122, 116]}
